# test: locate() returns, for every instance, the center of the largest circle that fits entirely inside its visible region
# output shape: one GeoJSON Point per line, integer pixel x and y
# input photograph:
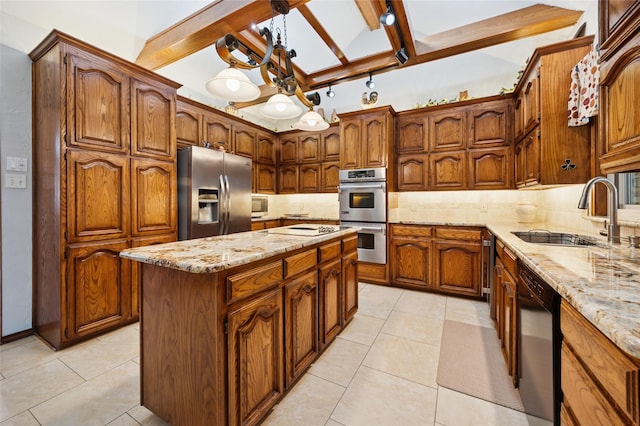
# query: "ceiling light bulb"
{"type": "Point", "coordinates": [387, 19]}
{"type": "Point", "coordinates": [280, 107]}
{"type": "Point", "coordinates": [311, 121]}
{"type": "Point", "coordinates": [232, 85]}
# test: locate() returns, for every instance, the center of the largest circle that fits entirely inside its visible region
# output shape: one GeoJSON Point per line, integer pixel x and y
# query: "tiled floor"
{"type": "Point", "coordinates": [380, 371]}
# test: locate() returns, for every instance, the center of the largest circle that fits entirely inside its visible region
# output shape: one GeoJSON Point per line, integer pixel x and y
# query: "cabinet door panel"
{"type": "Point", "coordinates": [301, 297]}
{"type": "Point", "coordinates": [330, 301]}
{"type": "Point", "coordinates": [97, 104]}
{"type": "Point", "coordinates": [413, 172]}
{"type": "Point", "coordinates": [349, 286]}
{"type": "Point", "coordinates": [309, 146]}
{"type": "Point", "coordinates": [458, 267]}
{"type": "Point", "coordinates": [309, 178]}
{"type": "Point", "coordinates": [153, 197]}
{"type": "Point", "coordinates": [216, 132]}
{"type": "Point", "coordinates": [412, 135]}
{"type": "Point", "coordinates": [330, 144]}
{"type": "Point", "coordinates": [98, 288]}
{"type": "Point", "coordinates": [289, 149]}
{"type": "Point", "coordinates": [244, 140]}
{"type": "Point", "coordinates": [266, 149]}
{"type": "Point", "coordinates": [374, 141]}
{"type": "Point", "coordinates": [97, 196]}
{"type": "Point", "coordinates": [188, 125]}
{"type": "Point", "coordinates": [350, 137]}
{"type": "Point", "coordinates": [489, 125]}
{"type": "Point", "coordinates": [153, 111]}
{"type": "Point", "coordinates": [288, 180]}
{"type": "Point", "coordinates": [411, 260]}
{"type": "Point", "coordinates": [265, 178]}
{"type": "Point", "coordinates": [256, 368]}
{"type": "Point", "coordinates": [447, 130]}
{"type": "Point", "coordinates": [490, 168]}
{"type": "Point", "coordinates": [330, 178]}
{"type": "Point", "coordinates": [448, 171]}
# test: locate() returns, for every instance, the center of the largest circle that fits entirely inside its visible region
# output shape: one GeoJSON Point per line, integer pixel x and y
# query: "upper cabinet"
{"type": "Point", "coordinates": [457, 146]}
{"type": "Point", "coordinates": [619, 125]}
{"type": "Point", "coordinates": [548, 151]}
{"type": "Point", "coordinates": [366, 138]}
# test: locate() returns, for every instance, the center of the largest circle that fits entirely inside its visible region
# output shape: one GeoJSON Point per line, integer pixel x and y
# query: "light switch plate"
{"type": "Point", "coordinates": [16, 164]}
{"type": "Point", "coordinates": [15, 181]}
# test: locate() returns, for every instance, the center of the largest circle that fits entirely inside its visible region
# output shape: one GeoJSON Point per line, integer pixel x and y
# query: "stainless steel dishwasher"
{"type": "Point", "coordinates": [539, 344]}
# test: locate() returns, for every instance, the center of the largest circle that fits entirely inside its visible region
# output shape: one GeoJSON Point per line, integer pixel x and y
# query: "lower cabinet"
{"type": "Point", "coordinates": [411, 257]}
{"type": "Point", "coordinates": [255, 358]}
{"type": "Point", "coordinates": [599, 382]}
{"type": "Point", "coordinates": [506, 315]}
{"type": "Point", "coordinates": [330, 298]}
{"type": "Point", "coordinates": [458, 261]}
{"type": "Point", "coordinates": [350, 283]}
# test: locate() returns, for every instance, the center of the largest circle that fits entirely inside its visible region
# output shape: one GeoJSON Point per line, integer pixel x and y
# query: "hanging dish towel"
{"type": "Point", "coordinates": [583, 94]}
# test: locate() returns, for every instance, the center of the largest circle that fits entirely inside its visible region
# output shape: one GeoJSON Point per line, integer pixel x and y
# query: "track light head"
{"type": "Point", "coordinates": [370, 84]}
{"type": "Point", "coordinates": [402, 56]}
{"type": "Point", "coordinates": [388, 18]}
{"type": "Point", "coordinates": [330, 93]}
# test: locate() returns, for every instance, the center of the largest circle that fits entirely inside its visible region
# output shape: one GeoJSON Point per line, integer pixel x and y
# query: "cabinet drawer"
{"type": "Point", "coordinates": [614, 371]}
{"type": "Point", "coordinates": [508, 258]}
{"type": "Point", "coordinates": [329, 251]}
{"type": "Point", "coordinates": [255, 280]}
{"type": "Point", "coordinates": [459, 234]}
{"type": "Point", "coordinates": [300, 262]}
{"type": "Point", "coordinates": [582, 397]}
{"type": "Point", "coordinates": [411, 231]}
{"type": "Point", "coordinates": [350, 244]}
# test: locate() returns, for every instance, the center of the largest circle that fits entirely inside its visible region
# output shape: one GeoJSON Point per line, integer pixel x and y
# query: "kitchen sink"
{"type": "Point", "coordinates": [555, 238]}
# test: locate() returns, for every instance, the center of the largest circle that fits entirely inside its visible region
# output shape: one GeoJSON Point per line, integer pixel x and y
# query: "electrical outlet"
{"type": "Point", "coordinates": [15, 181]}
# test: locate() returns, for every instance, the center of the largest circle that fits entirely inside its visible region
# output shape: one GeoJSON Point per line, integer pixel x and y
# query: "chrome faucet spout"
{"type": "Point", "coordinates": [613, 229]}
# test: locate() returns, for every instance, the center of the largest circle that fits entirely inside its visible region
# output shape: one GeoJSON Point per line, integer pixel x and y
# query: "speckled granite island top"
{"type": "Point", "coordinates": [213, 254]}
{"type": "Point", "coordinates": [602, 282]}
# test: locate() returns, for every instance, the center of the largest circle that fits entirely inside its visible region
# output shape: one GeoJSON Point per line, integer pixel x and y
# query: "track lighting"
{"type": "Point", "coordinates": [370, 84]}
{"type": "Point", "coordinates": [388, 18]}
{"type": "Point", "coordinates": [330, 93]}
{"type": "Point", "coordinates": [402, 56]}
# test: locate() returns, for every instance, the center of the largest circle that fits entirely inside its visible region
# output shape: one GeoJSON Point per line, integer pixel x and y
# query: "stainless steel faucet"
{"type": "Point", "coordinates": [613, 229]}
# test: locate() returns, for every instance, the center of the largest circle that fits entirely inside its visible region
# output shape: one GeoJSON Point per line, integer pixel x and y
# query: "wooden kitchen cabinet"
{"type": "Point", "coordinates": [330, 144]}
{"type": "Point", "coordinates": [265, 178]}
{"type": "Point", "coordinates": [552, 152]}
{"type": "Point", "coordinates": [457, 254]}
{"type": "Point", "coordinates": [599, 382]}
{"type": "Point", "coordinates": [288, 144]}
{"type": "Point", "coordinates": [105, 163]}
{"type": "Point", "coordinates": [619, 124]}
{"type": "Point", "coordinates": [330, 289]}
{"type": "Point", "coordinates": [217, 132]}
{"type": "Point", "coordinates": [309, 147]}
{"type": "Point", "coordinates": [188, 125]}
{"type": "Point", "coordinates": [288, 179]}
{"type": "Point", "coordinates": [466, 145]}
{"type": "Point", "coordinates": [330, 177]}
{"type": "Point", "coordinates": [244, 138]}
{"type": "Point", "coordinates": [266, 149]}
{"type": "Point", "coordinates": [255, 358]}
{"type": "Point", "coordinates": [366, 138]}
{"type": "Point", "coordinates": [411, 256]}
{"type": "Point", "coordinates": [349, 278]}
{"type": "Point", "coordinates": [310, 178]}
{"type": "Point", "coordinates": [506, 305]}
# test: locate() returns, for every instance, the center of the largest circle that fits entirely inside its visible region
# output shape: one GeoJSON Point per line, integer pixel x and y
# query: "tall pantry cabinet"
{"type": "Point", "coordinates": [104, 179]}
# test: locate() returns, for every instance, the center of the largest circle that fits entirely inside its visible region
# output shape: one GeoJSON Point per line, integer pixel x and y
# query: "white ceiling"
{"type": "Point", "coordinates": [122, 27]}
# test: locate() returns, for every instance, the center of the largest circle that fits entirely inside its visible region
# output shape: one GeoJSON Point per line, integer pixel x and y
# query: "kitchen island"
{"type": "Point", "coordinates": [229, 323]}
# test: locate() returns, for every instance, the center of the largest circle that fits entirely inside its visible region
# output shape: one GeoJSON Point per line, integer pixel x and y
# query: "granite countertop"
{"type": "Point", "coordinates": [602, 282]}
{"type": "Point", "coordinates": [213, 254]}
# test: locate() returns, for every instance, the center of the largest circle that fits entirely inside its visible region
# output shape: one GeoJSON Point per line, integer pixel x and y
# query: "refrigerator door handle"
{"type": "Point", "coordinates": [228, 209]}
{"type": "Point", "coordinates": [222, 214]}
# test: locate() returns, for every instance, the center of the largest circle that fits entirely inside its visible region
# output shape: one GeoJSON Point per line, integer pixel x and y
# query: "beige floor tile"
{"type": "Point", "coordinates": [375, 398]}
{"type": "Point", "coordinates": [31, 387]}
{"type": "Point", "coordinates": [423, 304]}
{"type": "Point", "coordinates": [96, 402]}
{"type": "Point", "coordinates": [104, 353]}
{"type": "Point", "coordinates": [458, 409]}
{"type": "Point", "coordinates": [146, 417]}
{"type": "Point", "coordinates": [469, 311]}
{"type": "Point", "coordinates": [124, 420]}
{"type": "Point", "coordinates": [332, 422]}
{"type": "Point", "coordinates": [362, 329]}
{"type": "Point", "coordinates": [23, 419]}
{"type": "Point", "coordinates": [415, 327]}
{"type": "Point", "coordinates": [309, 403]}
{"type": "Point", "coordinates": [339, 362]}
{"type": "Point", "coordinates": [23, 357]}
{"type": "Point", "coordinates": [378, 301]}
{"type": "Point", "coordinates": [404, 358]}
{"type": "Point", "coordinates": [16, 343]}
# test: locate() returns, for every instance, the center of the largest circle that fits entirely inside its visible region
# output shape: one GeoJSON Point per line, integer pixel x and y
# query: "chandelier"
{"type": "Point", "coordinates": [276, 70]}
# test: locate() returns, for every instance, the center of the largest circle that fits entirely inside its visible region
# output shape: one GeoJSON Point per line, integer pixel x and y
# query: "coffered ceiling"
{"type": "Point", "coordinates": [452, 45]}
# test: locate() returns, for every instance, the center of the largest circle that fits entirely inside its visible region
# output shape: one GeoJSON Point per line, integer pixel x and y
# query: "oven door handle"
{"type": "Point", "coordinates": [361, 186]}
{"type": "Point", "coordinates": [367, 228]}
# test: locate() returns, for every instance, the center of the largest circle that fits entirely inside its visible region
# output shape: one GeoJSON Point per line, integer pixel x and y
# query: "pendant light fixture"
{"type": "Point", "coordinates": [232, 85]}
{"type": "Point", "coordinates": [280, 107]}
{"type": "Point", "coordinates": [311, 121]}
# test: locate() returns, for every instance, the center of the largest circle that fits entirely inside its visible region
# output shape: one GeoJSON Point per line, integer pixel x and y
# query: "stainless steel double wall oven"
{"type": "Point", "coordinates": [362, 196]}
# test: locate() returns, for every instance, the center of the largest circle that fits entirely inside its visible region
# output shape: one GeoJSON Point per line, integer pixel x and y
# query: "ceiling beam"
{"type": "Point", "coordinates": [525, 22]}
{"type": "Point", "coordinates": [370, 11]}
{"type": "Point", "coordinates": [204, 28]}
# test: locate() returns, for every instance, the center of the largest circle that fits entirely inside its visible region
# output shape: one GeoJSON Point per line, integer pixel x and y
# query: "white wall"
{"type": "Point", "coordinates": [15, 141]}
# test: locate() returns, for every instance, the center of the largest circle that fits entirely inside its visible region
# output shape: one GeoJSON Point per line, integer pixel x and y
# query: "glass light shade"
{"type": "Point", "coordinates": [279, 106]}
{"type": "Point", "coordinates": [310, 121]}
{"type": "Point", "coordinates": [232, 85]}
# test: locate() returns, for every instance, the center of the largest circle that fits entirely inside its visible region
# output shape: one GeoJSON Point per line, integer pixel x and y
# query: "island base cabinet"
{"type": "Point", "coordinates": [350, 286]}
{"type": "Point", "coordinates": [256, 367]}
{"type": "Point", "coordinates": [301, 319]}
{"type": "Point", "coordinates": [330, 301]}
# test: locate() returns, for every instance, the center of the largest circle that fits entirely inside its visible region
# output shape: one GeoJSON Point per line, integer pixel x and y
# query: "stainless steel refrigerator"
{"type": "Point", "coordinates": [214, 193]}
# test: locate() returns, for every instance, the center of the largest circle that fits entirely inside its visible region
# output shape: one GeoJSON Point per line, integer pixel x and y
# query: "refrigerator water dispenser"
{"type": "Point", "coordinates": [207, 205]}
